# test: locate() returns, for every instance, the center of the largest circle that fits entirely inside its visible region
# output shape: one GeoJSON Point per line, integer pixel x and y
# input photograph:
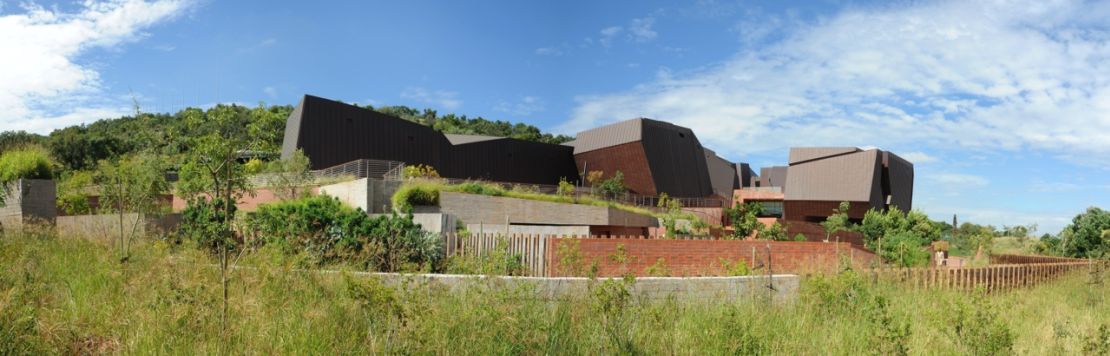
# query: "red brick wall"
{"type": "Point", "coordinates": [628, 158]}
{"type": "Point", "coordinates": [703, 257]}
{"type": "Point", "coordinates": [245, 204]}
{"type": "Point", "coordinates": [816, 232]}
{"type": "Point", "coordinates": [798, 210]}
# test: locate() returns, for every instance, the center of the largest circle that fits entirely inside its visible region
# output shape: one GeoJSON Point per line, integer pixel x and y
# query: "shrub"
{"type": "Point", "coordinates": [201, 221]}
{"type": "Point", "coordinates": [30, 162]}
{"type": "Point", "coordinates": [420, 171]}
{"type": "Point", "coordinates": [800, 238]}
{"type": "Point", "coordinates": [479, 188]}
{"type": "Point", "coordinates": [976, 327]}
{"type": "Point", "coordinates": [774, 233]}
{"type": "Point", "coordinates": [613, 187]}
{"type": "Point", "coordinates": [903, 249]}
{"type": "Point", "coordinates": [328, 231]}
{"type": "Point", "coordinates": [738, 268]}
{"type": "Point", "coordinates": [565, 188]}
{"type": "Point", "coordinates": [410, 195]}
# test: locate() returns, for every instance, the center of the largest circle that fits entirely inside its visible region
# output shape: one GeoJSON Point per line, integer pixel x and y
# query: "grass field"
{"type": "Point", "coordinates": [73, 296]}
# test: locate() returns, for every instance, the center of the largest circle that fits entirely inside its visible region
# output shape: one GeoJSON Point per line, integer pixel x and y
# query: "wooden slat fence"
{"type": "Point", "coordinates": [531, 248]}
{"type": "Point", "coordinates": [992, 278]}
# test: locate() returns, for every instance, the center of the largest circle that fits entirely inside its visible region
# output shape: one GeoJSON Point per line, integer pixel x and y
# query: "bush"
{"type": "Point", "coordinates": [328, 232]}
{"type": "Point", "coordinates": [977, 328]}
{"type": "Point", "coordinates": [201, 222]}
{"type": "Point", "coordinates": [410, 195]}
{"type": "Point", "coordinates": [903, 249]}
{"type": "Point", "coordinates": [800, 238]}
{"type": "Point", "coordinates": [565, 188]}
{"type": "Point", "coordinates": [774, 233]}
{"type": "Point", "coordinates": [479, 188]}
{"type": "Point", "coordinates": [30, 162]}
{"type": "Point", "coordinates": [420, 171]}
{"type": "Point", "coordinates": [613, 187]}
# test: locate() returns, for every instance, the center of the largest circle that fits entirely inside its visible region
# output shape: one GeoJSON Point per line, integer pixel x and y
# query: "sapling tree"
{"type": "Point", "coordinates": [290, 177]}
{"type": "Point", "coordinates": [838, 221]}
{"type": "Point", "coordinates": [745, 219]}
{"type": "Point", "coordinates": [212, 175]}
{"type": "Point", "coordinates": [133, 184]}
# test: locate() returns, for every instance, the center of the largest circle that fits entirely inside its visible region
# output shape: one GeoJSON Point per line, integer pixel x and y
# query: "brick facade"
{"type": "Point", "coordinates": [704, 257]}
{"type": "Point", "coordinates": [816, 211]}
{"type": "Point", "coordinates": [629, 158]}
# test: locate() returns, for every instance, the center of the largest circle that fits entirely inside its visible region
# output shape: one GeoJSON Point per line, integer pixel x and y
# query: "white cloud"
{"type": "Point", "coordinates": [640, 29]}
{"type": "Point", "coordinates": [549, 51]}
{"type": "Point", "coordinates": [270, 91]}
{"type": "Point", "coordinates": [525, 106]}
{"type": "Point", "coordinates": [441, 99]}
{"type": "Point", "coordinates": [42, 84]}
{"type": "Point", "coordinates": [959, 180]}
{"type": "Point", "coordinates": [976, 75]}
{"type": "Point", "coordinates": [918, 157]}
{"type": "Point", "coordinates": [268, 42]}
{"type": "Point", "coordinates": [607, 35]}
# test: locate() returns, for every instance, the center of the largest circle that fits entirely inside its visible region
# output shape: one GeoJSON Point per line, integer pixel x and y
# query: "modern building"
{"type": "Point", "coordinates": [655, 157]}
{"type": "Point", "coordinates": [332, 133]}
{"type": "Point", "coordinates": [819, 178]}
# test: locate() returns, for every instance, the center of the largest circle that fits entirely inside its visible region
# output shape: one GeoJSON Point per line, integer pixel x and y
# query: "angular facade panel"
{"type": "Point", "coordinates": [332, 133]}
{"type": "Point", "coordinates": [821, 178]}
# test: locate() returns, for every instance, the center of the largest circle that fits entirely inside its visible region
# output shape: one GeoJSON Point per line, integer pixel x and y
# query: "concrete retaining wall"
{"type": "Point", "coordinates": [29, 200]}
{"type": "Point", "coordinates": [107, 226]}
{"type": "Point", "coordinates": [474, 209]}
{"type": "Point", "coordinates": [785, 286]}
{"type": "Point", "coordinates": [558, 230]}
{"type": "Point", "coordinates": [372, 195]}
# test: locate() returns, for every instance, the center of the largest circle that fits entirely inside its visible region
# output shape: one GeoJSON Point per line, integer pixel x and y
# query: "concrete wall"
{"type": "Point", "coordinates": [27, 200]}
{"type": "Point", "coordinates": [106, 226]}
{"type": "Point", "coordinates": [704, 257]}
{"type": "Point", "coordinates": [559, 230]}
{"type": "Point", "coordinates": [474, 208]}
{"type": "Point", "coordinates": [355, 193]}
{"type": "Point", "coordinates": [780, 287]}
{"type": "Point", "coordinates": [372, 195]}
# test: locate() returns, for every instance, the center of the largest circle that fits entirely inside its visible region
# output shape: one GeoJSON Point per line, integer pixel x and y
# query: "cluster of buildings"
{"type": "Point", "coordinates": [654, 156]}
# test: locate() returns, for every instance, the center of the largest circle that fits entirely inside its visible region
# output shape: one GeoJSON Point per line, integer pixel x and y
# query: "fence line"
{"type": "Point", "coordinates": [531, 248]}
{"type": "Point", "coordinates": [992, 278]}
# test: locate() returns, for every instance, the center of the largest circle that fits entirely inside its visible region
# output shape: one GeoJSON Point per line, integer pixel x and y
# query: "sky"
{"type": "Point", "coordinates": [1002, 106]}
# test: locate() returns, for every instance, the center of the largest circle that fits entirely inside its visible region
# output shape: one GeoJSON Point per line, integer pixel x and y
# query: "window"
{"type": "Point", "coordinates": [771, 209]}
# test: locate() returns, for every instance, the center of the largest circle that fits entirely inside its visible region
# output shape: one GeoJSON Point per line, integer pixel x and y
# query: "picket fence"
{"type": "Point", "coordinates": [991, 278]}
{"type": "Point", "coordinates": [531, 248]}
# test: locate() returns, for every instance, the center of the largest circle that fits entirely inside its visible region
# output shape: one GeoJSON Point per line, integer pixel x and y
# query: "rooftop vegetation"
{"type": "Point", "coordinates": [417, 192]}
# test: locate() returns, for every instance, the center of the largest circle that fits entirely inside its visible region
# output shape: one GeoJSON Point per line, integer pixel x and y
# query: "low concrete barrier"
{"type": "Point", "coordinates": [779, 288]}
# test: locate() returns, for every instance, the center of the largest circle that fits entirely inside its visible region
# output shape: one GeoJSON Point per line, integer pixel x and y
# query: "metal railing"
{"type": "Point", "coordinates": [364, 168]}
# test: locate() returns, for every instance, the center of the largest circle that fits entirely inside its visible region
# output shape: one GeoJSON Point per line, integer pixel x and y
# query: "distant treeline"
{"type": "Point", "coordinates": [80, 147]}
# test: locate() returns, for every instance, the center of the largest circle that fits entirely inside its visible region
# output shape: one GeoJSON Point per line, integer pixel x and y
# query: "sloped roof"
{"type": "Point", "coordinates": [608, 135]}
{"type": "Point", "coordinates": [457, 139]}
{"type": "Point", "coordinates": [802, 154]}
{"type": "Point", "coordinates": [848, 177]}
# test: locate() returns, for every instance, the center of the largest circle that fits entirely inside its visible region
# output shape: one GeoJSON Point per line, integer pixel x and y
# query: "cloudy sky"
{"type": "Point", "coordinates": [1003, 106]}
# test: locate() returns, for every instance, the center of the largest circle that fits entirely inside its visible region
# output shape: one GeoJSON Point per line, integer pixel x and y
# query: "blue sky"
{"type": "Point", "coordinates": [1004, 107]}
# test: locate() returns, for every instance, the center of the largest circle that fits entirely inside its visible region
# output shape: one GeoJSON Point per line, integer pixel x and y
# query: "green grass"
{"type": "Point", "coordinates": [73, 296]}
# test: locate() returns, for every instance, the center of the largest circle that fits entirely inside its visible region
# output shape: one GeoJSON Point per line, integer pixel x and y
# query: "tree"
{"type": "Point", "coordinates": [290, 177]}
{"type": "Point", "coordinates": [899, 238]}
{"type": "Point", "coordinates": [838, 221]}
{"type": "Point", "coordinates": [1084, 237]}
{"type": "Point", "coordinates": [745, 219]}
{"type": "Point", "coordinates": [212, 175]}
{"type": "Point", "coordinates": [134, 184]}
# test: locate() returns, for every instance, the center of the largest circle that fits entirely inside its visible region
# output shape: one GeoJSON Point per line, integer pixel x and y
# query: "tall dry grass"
{"type": "Point", "coordinates": [61, 295]}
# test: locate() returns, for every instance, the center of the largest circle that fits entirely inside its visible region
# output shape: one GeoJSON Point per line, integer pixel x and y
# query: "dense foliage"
{"type": "Point", "coordinates": [328, 231]}
{"type": "Point", "coordinates": [29, 162]}
{"type": "Point", "coordinates": [1088, 235]}
{"type": "Point", "coordinates": [745, 219]}
{"type": "Point", "coordinates": [81, 147]}
{"type": "Point", "coordinates": [899, 238]}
